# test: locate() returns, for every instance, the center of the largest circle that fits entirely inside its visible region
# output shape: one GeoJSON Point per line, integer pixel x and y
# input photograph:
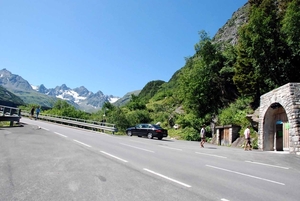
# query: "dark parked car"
{"type": "Point", "coordinates": [149, 130]}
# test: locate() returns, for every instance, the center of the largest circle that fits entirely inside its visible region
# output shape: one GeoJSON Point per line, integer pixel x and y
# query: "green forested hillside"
{"type": "Point", "coordinates": [126, 98]}
{"type": "Point", "coordinates": [9, 99]}
{"type": "Point", "coordinates": [35, 97]}
{"type": "Point", "coordinates": [150, 89]}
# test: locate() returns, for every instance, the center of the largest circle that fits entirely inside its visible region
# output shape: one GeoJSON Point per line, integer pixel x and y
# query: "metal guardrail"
{"type": "Point", "coordinates": [75, 122]}
{"type": "Point", "coordinates": [10, 114]}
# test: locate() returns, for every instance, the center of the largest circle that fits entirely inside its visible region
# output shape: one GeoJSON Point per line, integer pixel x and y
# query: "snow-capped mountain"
{"type": "Point", "coordinates": [80, 97]}
{"type": "Point", "coordinates": [86, 99]}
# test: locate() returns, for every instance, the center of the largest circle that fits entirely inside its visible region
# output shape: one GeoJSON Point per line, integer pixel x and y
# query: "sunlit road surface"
{"type": "Point", "coordinates": [45, 161]}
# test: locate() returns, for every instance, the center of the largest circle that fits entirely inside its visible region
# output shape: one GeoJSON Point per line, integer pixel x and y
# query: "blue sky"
{"type": "Point", "coordinates": [115, 46]}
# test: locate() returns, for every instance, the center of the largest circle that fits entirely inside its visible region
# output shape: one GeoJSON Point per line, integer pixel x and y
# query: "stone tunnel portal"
{"type": "Point", "coordinates": [276, 127]}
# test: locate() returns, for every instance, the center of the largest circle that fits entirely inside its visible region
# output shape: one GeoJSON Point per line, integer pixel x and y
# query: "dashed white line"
{"type": "Point", "coordinates": [211, 155]}
{"type": "Point", "coordinates": [170, 148]}
{"type": "Point", "coordinates": [267, 165]}
{"type": "Point", "coordinates": [60, 134]}
{"type": "Point", "coordinates": [168, 178]}
{"type": "Point", "coordinates": [137, 141]}
{"type": "Point", "coordinates": [82, 143]}
{"type": "Point", "coordinates": [45, 128]}
{"type": "Point", "coordinates": [247, 175]}
{"type": "Point", "coordinates": [137, 147]}
{"type": "Point", "coordinates": [223, 199]}
{"type": "Point", "coordinates": [114, 156]}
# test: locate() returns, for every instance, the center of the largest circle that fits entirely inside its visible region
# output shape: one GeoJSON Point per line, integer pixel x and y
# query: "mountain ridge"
{"type": "Point", "coordinates": [80, 97]}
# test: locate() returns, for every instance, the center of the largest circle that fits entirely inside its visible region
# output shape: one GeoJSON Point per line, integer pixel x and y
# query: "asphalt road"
{"type": "Point", "coordinates": [45, 161]}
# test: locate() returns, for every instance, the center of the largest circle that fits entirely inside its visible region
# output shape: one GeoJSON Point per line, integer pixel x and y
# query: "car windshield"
{"type": "Point", "coordinates": [157, 126]}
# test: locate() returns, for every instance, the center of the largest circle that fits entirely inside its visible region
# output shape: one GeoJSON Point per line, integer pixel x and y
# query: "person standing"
{"type": "Point", "coordinates": [247, 139]}
{"type": "Point", "coordinates": [37, 112]}
{"type": "Point", "coordinates": [202, 136]}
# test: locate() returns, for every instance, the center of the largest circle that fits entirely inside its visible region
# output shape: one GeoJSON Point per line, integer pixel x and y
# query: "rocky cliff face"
{"type": "Point", "coordinates": [229, 32]}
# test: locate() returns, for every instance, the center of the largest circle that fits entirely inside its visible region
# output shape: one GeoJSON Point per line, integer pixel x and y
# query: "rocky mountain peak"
{"type": "Point", "coordinates": [82, 91]}
{"type": "Point", "coordinates": [63, 87]}
{"type": "Point", "coordinates": [99, 93]}
{"type": "Point", "coordinates": [5, 72]}
{"type": "Point", "coordinates": [12, 81]}
{"type": "Point", "coordinates": [42, 89]}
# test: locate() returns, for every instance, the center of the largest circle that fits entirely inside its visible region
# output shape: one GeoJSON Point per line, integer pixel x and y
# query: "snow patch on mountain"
{"type": "Point", "coordinates": [34, 87]}
{"type": "Point", "coordinates": [113, 100]}
{"type": "Point", "coordinates": [70, 95]}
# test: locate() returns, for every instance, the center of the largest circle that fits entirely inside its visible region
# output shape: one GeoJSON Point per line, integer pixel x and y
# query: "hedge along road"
{"type": "Point", "coordinates": [44, 161]}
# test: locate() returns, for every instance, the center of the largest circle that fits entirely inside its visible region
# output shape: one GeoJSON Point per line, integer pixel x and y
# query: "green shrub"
{"type": "Point", "coordinates": [255, 142]}
{"type": "Point", "coordinates": [208, 139]}
{"type": "Point", "coordinates": [236, 113]}
{"type": "Point", "coordinates": [190, 134]}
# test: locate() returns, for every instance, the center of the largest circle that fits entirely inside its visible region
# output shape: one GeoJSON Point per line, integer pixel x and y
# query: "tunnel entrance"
{"type": "Point", "coordinates": [276, 127]}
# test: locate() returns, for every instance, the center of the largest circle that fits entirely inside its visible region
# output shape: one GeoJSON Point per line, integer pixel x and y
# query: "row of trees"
{"type": "Point", "coordinates": [268, 50]}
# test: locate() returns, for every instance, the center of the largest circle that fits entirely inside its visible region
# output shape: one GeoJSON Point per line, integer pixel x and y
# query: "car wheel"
{"type": "Point", "coordinates": [150, 136]}
{"type": "Point", "coordinates": [160, 138]}
{"type": "Point", "coordinates": [129, 133]}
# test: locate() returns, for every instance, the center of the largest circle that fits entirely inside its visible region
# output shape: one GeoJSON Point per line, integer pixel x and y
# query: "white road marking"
{"type": "Point", "coordinates": [45, 128]}
{"type": "Point", "coordinates": [168, 178]}
{"type": "Point", "coordinates": [267, 165]}
{"type": "Point", "coordinates": [60, 134]}
{"type": "Point", "coordinates": [170, 148]}
{"type": "Point", "coordinates": [137, 147]}
{"type": "Point", "coordinates": [247, 175]}
{"type": "Point", "coordinates": [86, 134]}
{"type": "Point", "coordinates": [223, 199]}
{"type": "Point", "coordinates": [114, 156]}
{"type": "Point", "coordinates": [137, 141]}
{"type": "Point", "coordinates": [211, 155]}
{"type": "Point", "coordinates": [82, 143]}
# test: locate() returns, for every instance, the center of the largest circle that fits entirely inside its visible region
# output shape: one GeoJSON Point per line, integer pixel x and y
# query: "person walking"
{"type": "Point", "coordinates": [37, 113]}
{"type": "Point", "coordinates": [248, 145]}
{"type": "Point", "coordinates": [31, 112]}
{"type": "Point", "coordinates": [202, 136]}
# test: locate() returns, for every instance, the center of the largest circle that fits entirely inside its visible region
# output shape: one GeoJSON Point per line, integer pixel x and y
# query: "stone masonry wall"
{"type": "Point", "coordinates": [288, 96]}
